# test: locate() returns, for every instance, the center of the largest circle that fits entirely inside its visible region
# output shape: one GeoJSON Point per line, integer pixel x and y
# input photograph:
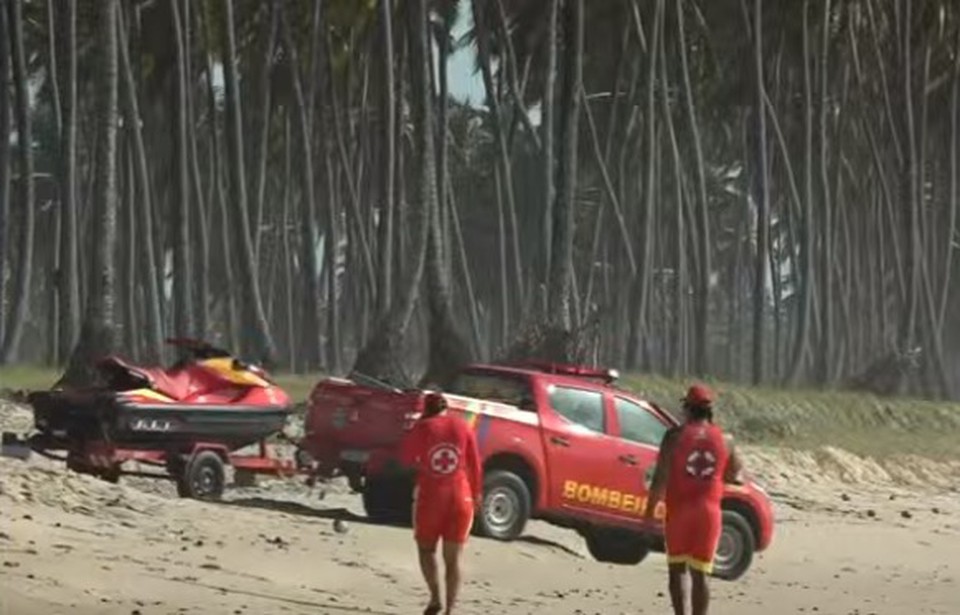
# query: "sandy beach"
{"type": "Point", "coordinates": [852, 537]}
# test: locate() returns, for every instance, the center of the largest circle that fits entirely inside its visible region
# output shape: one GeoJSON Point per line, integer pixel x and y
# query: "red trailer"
{"type": "Point", "coordinates": [189, 420]}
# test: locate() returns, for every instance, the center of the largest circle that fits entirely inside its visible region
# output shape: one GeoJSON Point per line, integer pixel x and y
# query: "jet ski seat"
{"type": "Point", "coordinates": [174, 383]}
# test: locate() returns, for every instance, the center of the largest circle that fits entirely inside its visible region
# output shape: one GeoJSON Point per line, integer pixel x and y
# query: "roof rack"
{"type": "Point", "coordinates": [608, 376]}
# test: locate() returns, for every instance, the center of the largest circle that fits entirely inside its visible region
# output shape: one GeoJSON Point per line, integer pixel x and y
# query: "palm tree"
{"type": "Point", "coordinates": [24, 273]}
{"type": "Point", "coordinates": [382, 356]}
{"type": "Point", "coordinates": [97, 333]}
{"type": "Point", "coordinates": [69, 275]}
{"type": "Point", "coordinates": [256, 331]}
{"type": "Point", "coordinates": [561, 275]}
{"type": "Point", "coordinates": [4, 161]}
{"type": "Point", "coordinates": [182, 288]}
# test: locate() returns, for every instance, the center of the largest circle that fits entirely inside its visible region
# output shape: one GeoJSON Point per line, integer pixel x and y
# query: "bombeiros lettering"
{"type": "Point", "coordinates": [613, 499]}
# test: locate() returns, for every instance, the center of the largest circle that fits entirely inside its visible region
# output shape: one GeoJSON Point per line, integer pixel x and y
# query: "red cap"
{"type": "Point", "coordinates": [699, 395]}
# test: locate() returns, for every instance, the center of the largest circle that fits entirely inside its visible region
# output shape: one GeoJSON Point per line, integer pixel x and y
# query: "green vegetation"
{"type": "Point", "coordinates": [804, 418]}
{"type": "Point", "coordinates": [26, 377]}
{"type": "Point", "coordinates": [796, 418]}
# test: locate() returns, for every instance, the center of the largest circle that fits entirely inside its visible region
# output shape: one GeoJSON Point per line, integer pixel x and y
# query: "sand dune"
{"type": "Point", "coordinates": [854, 536]}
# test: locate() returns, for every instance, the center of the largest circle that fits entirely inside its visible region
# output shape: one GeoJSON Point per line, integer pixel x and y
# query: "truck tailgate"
{"type": "Point", "coordinates": [343, 416]}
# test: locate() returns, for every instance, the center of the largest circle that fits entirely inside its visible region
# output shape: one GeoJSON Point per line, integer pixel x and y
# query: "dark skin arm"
{"type": "Point", "coordinates": [734, 464]}
{"type": "Point", "coordinates": [659, 482]}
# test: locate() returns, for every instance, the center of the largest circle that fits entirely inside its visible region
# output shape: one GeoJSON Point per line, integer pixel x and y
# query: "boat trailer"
{"type": "Point", "coordinates": [198, 468]}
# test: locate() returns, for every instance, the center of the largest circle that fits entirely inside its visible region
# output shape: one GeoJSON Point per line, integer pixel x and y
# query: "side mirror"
{"type": "Point", "coordinates": [527, 403]}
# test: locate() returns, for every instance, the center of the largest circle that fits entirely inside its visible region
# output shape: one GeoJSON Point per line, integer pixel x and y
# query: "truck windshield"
{"type": "Point", "coordinates": [501, 388]}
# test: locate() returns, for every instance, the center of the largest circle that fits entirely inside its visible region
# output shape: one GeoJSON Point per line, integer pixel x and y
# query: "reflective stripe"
{"type": "Point", "coordinates": [691, 562]}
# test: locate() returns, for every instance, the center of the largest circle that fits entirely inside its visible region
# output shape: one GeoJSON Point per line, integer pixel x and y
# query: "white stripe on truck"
{"type": "Point", "coordinates": [492, 408]}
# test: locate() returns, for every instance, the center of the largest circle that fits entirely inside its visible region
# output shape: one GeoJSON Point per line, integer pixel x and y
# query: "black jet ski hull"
{"type": "Point", "coordinates": [73, 417]}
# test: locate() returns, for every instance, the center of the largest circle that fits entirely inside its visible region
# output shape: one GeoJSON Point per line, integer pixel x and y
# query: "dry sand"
{"type": "Point", "coordinates": [853, 536]}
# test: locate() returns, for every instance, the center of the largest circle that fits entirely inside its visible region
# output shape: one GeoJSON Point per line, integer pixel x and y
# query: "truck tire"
{"type": "Point", "coordinates": [203, 478]}
{"type": "Point", "coordinates": [736, 548]}
{"type": "Point", "coordinates": [506, 506]}
{"type": "Point", "coordinates": [615, 546]}
{"type": "Point", "coordinates": [388, 500]}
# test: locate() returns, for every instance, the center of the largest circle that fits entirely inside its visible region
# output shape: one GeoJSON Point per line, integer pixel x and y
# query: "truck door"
{"type": "Point", "coordinates": [578, 448]}
{"type": "Point", "coordinates": [639, 432]}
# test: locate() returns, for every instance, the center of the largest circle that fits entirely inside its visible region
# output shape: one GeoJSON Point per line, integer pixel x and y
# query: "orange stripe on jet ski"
{"type": "Point", "coordinates": [149, 393]}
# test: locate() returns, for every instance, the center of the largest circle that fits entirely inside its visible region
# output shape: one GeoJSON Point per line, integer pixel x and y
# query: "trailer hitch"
{"type": "Point", "coordinates": [12, 445]}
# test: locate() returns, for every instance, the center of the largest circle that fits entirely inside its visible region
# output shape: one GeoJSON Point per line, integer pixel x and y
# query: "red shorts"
{"type": "Point", "coordinates": [692, 534]}
{"type": "Point", "coordinates": [446, 514]}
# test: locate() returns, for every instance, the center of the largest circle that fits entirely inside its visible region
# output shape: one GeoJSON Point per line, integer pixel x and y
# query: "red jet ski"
{"type": "Point", "coordinates": [208, 396]}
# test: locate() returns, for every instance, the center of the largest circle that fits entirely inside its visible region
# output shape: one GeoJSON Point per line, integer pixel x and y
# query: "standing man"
{"type": "Point", "coordinates": [443, 451]}
{"type": "Point", "coordinates": [694, 462]}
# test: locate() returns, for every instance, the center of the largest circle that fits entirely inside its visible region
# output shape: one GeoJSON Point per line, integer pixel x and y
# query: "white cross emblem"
{"type": "Point", "coordinates": [701, 464]}
{"type": "Point", "coordinates": [444, 459]}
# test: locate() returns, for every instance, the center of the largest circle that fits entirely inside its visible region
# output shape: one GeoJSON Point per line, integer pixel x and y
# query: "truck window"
{"type": "Point", "coordinates": [581, 407]}
{"type": "Point", "coordinates": [492, 387]}
{"type": "Point", "coordinates": [637, 424]}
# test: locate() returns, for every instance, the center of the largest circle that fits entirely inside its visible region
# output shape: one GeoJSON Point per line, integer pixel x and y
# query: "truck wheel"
{"type": "Point", "coordinates": [736, 547]}
{"type": "Point", "coordinates": [506, 506]}
{"type": "Point", "coordinates": [615, 546]}
{"type": "Point", "coordinates": [388, 500]}
{"type": "Point", "coordinates": [203, 478]}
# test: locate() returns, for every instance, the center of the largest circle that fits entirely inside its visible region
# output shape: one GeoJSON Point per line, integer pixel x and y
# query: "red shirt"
{"type": "Point", "coordinates": [444, 451]}
{"type": "Point", "coordinates": [697, 466]}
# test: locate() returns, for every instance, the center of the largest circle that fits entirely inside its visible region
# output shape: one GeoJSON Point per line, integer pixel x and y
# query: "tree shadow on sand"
{"type": "Point", "coordinates": [342, 514]}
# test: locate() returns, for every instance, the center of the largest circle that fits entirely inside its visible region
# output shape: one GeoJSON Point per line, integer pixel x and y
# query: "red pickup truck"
{"type": "Point", "coordinates": [558, 443]}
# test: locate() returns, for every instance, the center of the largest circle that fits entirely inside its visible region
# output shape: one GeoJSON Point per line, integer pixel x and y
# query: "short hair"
{"type": "Point", "coordinates": [700, 412]}
{"type": "Point", "coordinates": [434, 404]}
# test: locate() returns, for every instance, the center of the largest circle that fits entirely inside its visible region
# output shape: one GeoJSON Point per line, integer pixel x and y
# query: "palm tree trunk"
{"type": "Point", "coordinates": [561, 278]}
{"type": "Point", "coordinates": [801, 347]}
{"type": "Point", "coordinates": [953, 200]}
{"type": "Point", "coordinates": [497, 121]}
{"type": "Point", "coordinates": [68, 282]}
{"type": "Point", "coordinates": [183, 305]}
{"type": "Point", "coordinates": [153, 350]}
{"type": "Point", "coordinates": [333, 251]}
{"type": "Point", "coordinates": [256, 338]}
{"type": "Point", "coordinates": [201, 259]}
{"type": "Point", "coordinates": [264, 141]}
{"type": "Point", "coordinates": [701, 350]}
{"type": "Point", "coordinates": [548, 128]}
{"type": "Point", "coordinates": [54, 352]}
{"type": "Point", "coordinates": [382, 355]}
{"type": "Point", "coordinates": [308, 223]}
{"type": "Point", "coordinates": [449, 350]}
{"type": "Point", "coordinates": [827, 333]}
{"type": "Point", "coordinates": [289, 313]}
{"type": "Point", "coordinates": [641, 283]}
{"type": "Point", "coordinates": [4, 162]}
{"type": "Point", "coordinates": [763, 202]}
{"type": "Point", "coordinates": [97, 335]}
{"type": "Point", "coordinates": [131, 325]}
{"type": "Point", "coordinates": [388, 156]}
{"type": "Point", "coordinates": [24, 272]}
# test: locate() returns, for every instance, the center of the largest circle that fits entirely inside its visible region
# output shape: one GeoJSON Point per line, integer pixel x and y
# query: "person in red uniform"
{"type": "Point", "coordinates": [443, 451]}
{"type": "Point", "coordinates": [694, 462]}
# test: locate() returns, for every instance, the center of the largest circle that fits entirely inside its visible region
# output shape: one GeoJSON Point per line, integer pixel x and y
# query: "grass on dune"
{"type": "Point", "coordinates": [799, 418]}
{"type": "Point", "coordinates": [27, 377]}
{"type": "Point", "coordinates": [806, 418]}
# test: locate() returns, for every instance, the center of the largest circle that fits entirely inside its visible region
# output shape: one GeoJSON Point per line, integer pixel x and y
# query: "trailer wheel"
{"type": "Point", "coordinates": [203, 478]}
